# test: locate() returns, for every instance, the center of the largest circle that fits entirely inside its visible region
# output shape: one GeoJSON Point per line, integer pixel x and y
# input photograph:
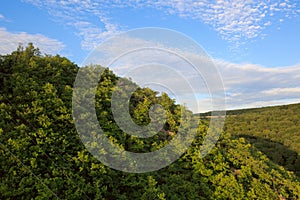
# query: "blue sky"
{"type": "Point", "coordinates": [254, 44]}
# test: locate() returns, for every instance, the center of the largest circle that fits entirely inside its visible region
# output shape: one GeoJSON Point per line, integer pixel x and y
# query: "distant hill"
{"type": "Point", "coordinates": [274, 130]}
{"type": "Point", "coordinates": [42, 156]}
{"type": "Point", "coordinates": [247, 110]}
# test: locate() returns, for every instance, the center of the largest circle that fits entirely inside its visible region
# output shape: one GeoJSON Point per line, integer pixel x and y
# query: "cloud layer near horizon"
{"type": "Point", "coordinates": [249, 85]}
{"type": "Point", "coordinates": [9, 42]}
{"type": "Point", "coordinates": [246, 85]}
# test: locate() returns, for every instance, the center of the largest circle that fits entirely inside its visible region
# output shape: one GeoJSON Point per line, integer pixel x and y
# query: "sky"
{"type": "Point", "coordinates": [254, 44]}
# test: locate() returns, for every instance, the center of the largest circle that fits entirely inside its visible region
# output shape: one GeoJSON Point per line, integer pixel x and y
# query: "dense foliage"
{"type": "Point", "coordinates": [42, 156]}
{"type": "Point", "coordinates": [273, 130]}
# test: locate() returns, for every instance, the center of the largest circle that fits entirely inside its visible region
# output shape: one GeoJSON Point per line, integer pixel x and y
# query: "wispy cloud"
{"type": "Point", "coordinates": [237, 21]}
{"type": "Point", "coordinates": [9, 41]}
{"type": "Point", "coordinates": [76, 14]}
{"type": "Point", "coordinates": [2, 17]}
{"type": "Point", "coordinates": [255, 85]}
{"type": "Point", "coordinates": [93, 35]}
{"type": "Point", "coordinates": [246, 85]}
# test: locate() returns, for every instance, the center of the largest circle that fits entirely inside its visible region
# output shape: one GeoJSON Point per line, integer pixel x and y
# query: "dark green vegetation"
{"type": "Point", "coordinates": [273, 130]}
{"type": "Point", "coordinates": [42, 157]}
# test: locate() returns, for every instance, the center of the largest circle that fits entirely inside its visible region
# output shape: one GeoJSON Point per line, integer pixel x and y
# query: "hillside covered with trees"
{"type": "Point", "coordinates": [42, 156]}
{"type": "Point", "coordinates": [273, 130]}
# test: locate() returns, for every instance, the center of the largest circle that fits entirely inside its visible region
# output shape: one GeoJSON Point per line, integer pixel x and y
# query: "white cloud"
{"type": "Point", "coordinates": [180, 69]}
{"type": "Point", "coordinates": [93, 35]}
{"type": "Point", "coordinates": [9, 41]}
{"type": "Point", "coordinates": [245, 85]}
{"type": "Point", "coordinates": [237, 21]}
{"type": "Point", "coordinates": [282, 91]}
{"type": "Point", "coordinates": [255, 85]}
{"type": "Point", "coordinates": [2, 17]}
{"type": "Point", "coordinates": [74, 13]}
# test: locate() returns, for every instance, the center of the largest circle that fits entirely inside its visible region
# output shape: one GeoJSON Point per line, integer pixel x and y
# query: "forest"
{"type": "Point", "coordinates": [43, 157]}
{"type": "Point", "coordinates": [273, 130]}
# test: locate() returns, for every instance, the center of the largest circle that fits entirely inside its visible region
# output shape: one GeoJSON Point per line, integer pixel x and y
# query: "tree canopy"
{"type": "Point", "coordinates": [42, 156]}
